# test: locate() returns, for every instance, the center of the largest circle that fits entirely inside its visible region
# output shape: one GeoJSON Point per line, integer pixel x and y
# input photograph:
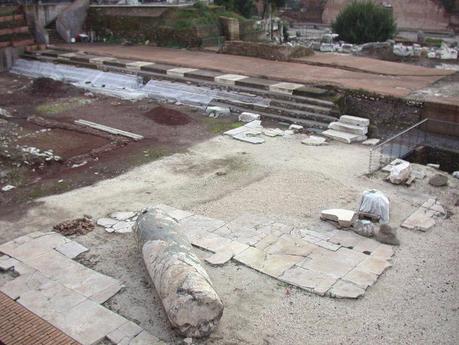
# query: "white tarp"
{"type": "Point", "coordinates": [130, 86]}
{"type": "Point", "coordinates": [376, 203]}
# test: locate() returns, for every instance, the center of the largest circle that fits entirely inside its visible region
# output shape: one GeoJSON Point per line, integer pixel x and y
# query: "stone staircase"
{"type": "Point", "coordinates": [307, 106]}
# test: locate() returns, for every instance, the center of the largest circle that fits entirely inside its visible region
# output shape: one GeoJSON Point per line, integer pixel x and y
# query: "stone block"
{"type": "Point", "coordinates": [344, 218]}
{"type": "Point", "coordinates": [373, 265]}
{"type": "Point", "coordinates": [137, 65]}
{"type": "Point", "coordinates": [248, 117]}
{"type": "Point", "coordinates": [22, 284]}
{"type": "Point", "coordinates": [180, 71]}
{"type": "Point", "coordinates": [196, 225]}
{"type": "Point", "coordinates": [273, 265]}
{"type": "Point", "coordinates": [145, 338]}
{"type": "Point", "coordinates": [125, 333]}
{"type": "Point", "coordinates": [366, 245]}
{"type": "Point", "coordinates": [229, 79]}
{"type": "Point", "coordinates": [344, 127]}
{"type": "Point", "coordinates": [317, 282]}
{"type": "Point", "coordinates": [328, 265]}
{"type": "Point", "coordinates": [313, 140]}
{"type": "Point", "coordinates": [285, 88]}
{"type": "Point", "coordinates": [99, 61]}
{"type": "Point", "coordinates": [354, 120]}
{"type": "Point", "coordinates": [35, 247]}
{"type": "Point", "coordinates": [307, 91]}
{"type": "Point", "coordinates": [400, 172]}
{"type": "Point", "coordinates": [360, 278]}
{"type": "Point", "coordinates": [343, 289]}
{"type": "Point", "coordinates": [346, 239]}
{"type": "Point", "coordinates": [328, 245]}
{"type": "Point", "coordinates": [87, 322]}
{"type": "Point", "coordinates": [255, 83]}
{"type": "Point", "coordinates": [383, 251]}
{"type": "Point", "coordinates": [123, 215]}
{"type": "Point", "coordinates": [349, 256]}
{"type": "Point", "coordinates": [289, 245]}
{"type": "Point", "coordinates": [219, 258]}
{"type": "Point", "coordinates": [173, 212]}
{"type": "Point", "coordinates": [371, 142]}
{"type": "Point", "coordinates": [7, 263]}
{"type": "Point", "coordinates": [156, 68]}
{"type": "Point", "coordinates": [71, 249]}
{"type": "Point", "coordinates": [203, 75]}
{"type": "Point", "coordinates": [211, 242]}
{"type": "Point", "coordinates": [344, 137]}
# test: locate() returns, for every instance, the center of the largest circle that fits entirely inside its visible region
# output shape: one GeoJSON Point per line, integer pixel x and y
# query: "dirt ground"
{"type": "Point", "coordinates": [414, 302]}
{"type": "Point", "coordinates": [43, 114]}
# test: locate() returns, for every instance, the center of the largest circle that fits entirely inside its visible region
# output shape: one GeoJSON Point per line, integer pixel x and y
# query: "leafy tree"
{"type": "Point", "coordinates": [243, 7]}
{"type": "Point", "coordinates": [364, 21]}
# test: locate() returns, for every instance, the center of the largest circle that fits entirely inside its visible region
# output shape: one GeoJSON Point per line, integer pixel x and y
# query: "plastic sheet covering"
{"type": "Point", "coordinates": [112, 84]}
{"type": "Point", "coordinates": [376, 203]}
{"type": "Point", "coordinates": [130, 87]}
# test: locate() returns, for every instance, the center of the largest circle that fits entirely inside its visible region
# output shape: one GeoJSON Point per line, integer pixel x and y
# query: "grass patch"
{"type": "Point", "coordinates": [433, 42]}
{"type": "Point", "coordinates": [57, 107]}
{"type": "Point", "coordinates": [217, 126]}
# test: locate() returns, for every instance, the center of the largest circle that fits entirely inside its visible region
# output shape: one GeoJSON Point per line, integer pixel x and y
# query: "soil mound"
{"type": "Point", "coordinates": [79, 226]}
{"type": "Point", "coordinates": [45, 87]}
{"type": "Point", "coordinates": [168, 117]}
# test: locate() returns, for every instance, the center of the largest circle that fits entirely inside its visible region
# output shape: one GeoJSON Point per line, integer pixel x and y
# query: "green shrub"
{"type": "Point", "coordinates": [364, 21]}
{"type": "Point", "coordinates": [243, 7]}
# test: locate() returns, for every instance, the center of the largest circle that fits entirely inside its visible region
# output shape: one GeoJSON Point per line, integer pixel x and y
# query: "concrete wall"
{"type": "Point", "coordinates": [427, 15]}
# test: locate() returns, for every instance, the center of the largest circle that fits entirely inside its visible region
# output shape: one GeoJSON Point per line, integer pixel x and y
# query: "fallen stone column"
{"type": "Point", "coordinates": [188, 297]}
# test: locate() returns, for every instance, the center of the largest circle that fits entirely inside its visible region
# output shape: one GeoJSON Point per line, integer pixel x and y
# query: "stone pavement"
{"type": "Point", "coordinates": [19, 326]}
{"type": "Point", "coordinates": [65, 293]}
{"type": "Point", "coordinates": [398, 86]}
{"type": "Point", "coordinates": [333, 263]}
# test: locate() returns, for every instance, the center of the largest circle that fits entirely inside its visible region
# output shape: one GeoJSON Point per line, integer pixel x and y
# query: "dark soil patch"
{"type": "Point", "coordinates": [46, 87]}
{"type": "Point", "coordinates": [168, 117]}
{"type": "Point", "coordinates": [79, 226]}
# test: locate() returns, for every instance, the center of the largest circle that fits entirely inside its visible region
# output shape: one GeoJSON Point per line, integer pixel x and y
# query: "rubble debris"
{"type": "Point", "coordinates": [433, 165]}
{"type": "Point", "coordinates": [371, 142]}
{"type": "Point", "coordinates": [276, 132]}
{"type": "Point", "coordinates": [48, 155]}
{"type": "Point", "coordinates": [249, 138]}
{"type": "Point", "coordinates": [425, 216]}
{"type": "Point", "coordinates": [295, 128]}
{"type": "Point", "coordinates": [455, 174]}
{"type": "Point", "coordinates": [248, 133]}
{"type": "Point", "coordinates": [400, 172]}
{"type": "Point", "coordinates": [79, 226]}
{"type": "Point", "coordinates": [375, 205]}
{"type": "Point", "coordinates": [313, 140]}
{"type": "Point", "coordinates": [348, 129]}
{"type": "Point", "coordinates": [5, 113]}
{"type": "Point", "coordinates": [387, 235]}
{"type": "Point", "coordinates": [216, 111]}
{"type": "Point", "coordinates": [248, 117]}
{"type": "Point", "coordinates": [364, 228]}
{"type": "Point", "coordinates": [109, 129]}
{"type": "Point", "coordinates": [7, 188]}
{"type": "Point", "coordinates": [189, 300]}
{"type": "Point", "coordinates": [438, 180]}
{"type": "Point", "coordinates": [119, 222]}
{"type": "Point", "coordinates": [343, 218]}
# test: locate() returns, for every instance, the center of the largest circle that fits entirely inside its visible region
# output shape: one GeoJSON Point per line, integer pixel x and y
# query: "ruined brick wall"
{"type": "Point", "coordinates": [308, 11]}
{"type": "Point", "coordinates": [427, 15]}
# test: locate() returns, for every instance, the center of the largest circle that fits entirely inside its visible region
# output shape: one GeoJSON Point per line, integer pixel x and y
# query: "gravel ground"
{"type": "Point", "coordinates": [414, 302]}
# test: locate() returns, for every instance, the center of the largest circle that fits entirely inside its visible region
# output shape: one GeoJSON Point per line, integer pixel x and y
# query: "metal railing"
{"type": "Point", "coordinates": [428, 132]}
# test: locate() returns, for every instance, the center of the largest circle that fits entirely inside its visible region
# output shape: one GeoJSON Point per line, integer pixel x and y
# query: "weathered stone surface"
{"type": "Point", "coordinates": [289, 245]}
{"type": "Point", "coordinates": [7, 263]}
{"type": "Point", "coordinates": [364, 228]}
{"type": "Point", "coordinates": [27, 248]}
{"type": "Point", "coordinates": [400, 172]}
{"type": "Point", "coordinates": [328, 265]}
{"type": "Point", "coordinates": [317, 282]}
{"type": "Point", "coordinates": [125, 333]}
{"type": "Point", "coordinates": [276, 132]}
{"type": "Point", "coordinates": [384, 252]}
{"type": "Point", "coordinates": [367, 245]}
{"type": "Point", "coordinates": [273, 265]}
{"type": "Point", "coordinates": [69, 22]}
{"type": "Point", "coordinates": [371, 142]}
{"type": "Point", "coordinates": [195, 226]}
{"type": "Point", "coordinates": [220, 258]}
{"type": "Point", "coordinates": [71, 249]}
{"type": "Point", "coordinates": [344, 137]}
{"type": "Point", "coordinates": [229, 79]}
{"type": "Point", "coordinates": [373, 265]}
{"type": "Point", "coordinates": [360, 278]}
{"type": "Point", "coordinates": [346, 239]}
{"type": "Point", "coordinates": [145, 338]}
{"type": "Point", "coordinates": [344, 127]}
{"type": "Point", "coordinates": [173, 212]}
{"type": "Point", "coordinates": [137, 65]}
{"type": "Point", "coordinates": [343, 289]}
{"type": "Point", "coordinates": [188, 297]}
{"type": "Point", "coordinates": [354, 120]}
{"type": "Point", "coordinates": [249, 137]}
{"type": "Point", "coordinates": [286, 88]}
{"type": "Point", "coordinates": [328, 245]}
{"type": "Point", "coordinates": [106, 222]}
{"type": "Point", "coordinates": [179, 71]}
{"type": "Point", "coordinates": [123, 215]}
{"type": "Point", "coordinates": [438, 180]}
{"type": "Point", "coordinates": [248, 117]}
{"type": "Point", "coordinates": [122, 227]}
{"type": "Point", "coordinates": [344, 218]}
{"type": "Point", "coordinates": [87, 322]}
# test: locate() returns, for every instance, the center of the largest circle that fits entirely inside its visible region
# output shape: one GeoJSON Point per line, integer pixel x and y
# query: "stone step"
{"type": "Point", "coordinates": [306, 123]}
{"type": "Point", "coordinates": [354, 120]}
{"type": "Point", "coordinates": [344, 137]}
{"type": "Point", "coordinates": [344, 127]}
{"type": "Point", "coordinates": [322, 109]}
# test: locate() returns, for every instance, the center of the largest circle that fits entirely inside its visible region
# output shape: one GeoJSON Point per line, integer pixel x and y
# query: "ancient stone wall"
{"type": "Point", "coordinates": [427, 15]}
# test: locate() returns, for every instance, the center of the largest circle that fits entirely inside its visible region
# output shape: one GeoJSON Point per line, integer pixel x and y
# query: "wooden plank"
{"type": "Point", "coordinates": [109, 129]}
